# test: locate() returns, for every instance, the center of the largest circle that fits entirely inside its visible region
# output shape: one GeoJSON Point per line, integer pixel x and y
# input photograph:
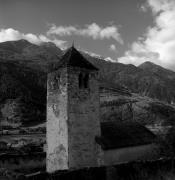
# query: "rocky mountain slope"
{"type": "Point", "coordinates": [23, 70]}
{"type": "Point", "coordinates": [148, 79]}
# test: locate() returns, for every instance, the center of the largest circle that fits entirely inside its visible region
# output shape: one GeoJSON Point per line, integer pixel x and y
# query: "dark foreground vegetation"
{"type": "Point", "coordinates": [162, 169]}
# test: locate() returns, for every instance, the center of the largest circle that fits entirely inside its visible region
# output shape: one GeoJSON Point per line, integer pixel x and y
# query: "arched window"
{"type": "Point", "coordinates": [83, 80]}
{"type": "Point", "coordinates": [86, 81]}
{"type": "Point", "coordinates": [80, 80]}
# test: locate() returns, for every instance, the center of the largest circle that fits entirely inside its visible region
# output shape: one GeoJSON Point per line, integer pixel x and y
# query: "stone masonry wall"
{"type": "Point", "coordinates": [57, 118]}
{"type": "Point", "coordinates": [84, 124]}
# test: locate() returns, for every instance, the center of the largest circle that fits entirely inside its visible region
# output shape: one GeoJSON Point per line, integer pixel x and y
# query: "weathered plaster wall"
{"type": "Point", "coordinates": [123, 155]}
{"type": "Point", "coordinates": [57, 119]}
{"type": "Point", "coordinates": [115, 106]}
{"type": "Point", "coordinates": [114, 111]}
{"type": "Point", "coordinates": [72, 121]}
{"type": "Point", "coordinates": [84, 122]}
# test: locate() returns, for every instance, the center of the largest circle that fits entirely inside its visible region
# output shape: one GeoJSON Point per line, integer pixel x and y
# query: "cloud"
{"type": "Point", "coordinates": [110, 59]}
{"type": "Point", "coordinates": [92, 30]}
{"type": "Point", "coordinates": [89, 52]}
{"type": "Point", "coordinates": [11, 34]}
{"type": "Point", "coordinates": [112, 47]}
{"type": "Point", "coordinates": [143, 8]}
{"type": "Point", "coordinates": [158, 43]}
{"type": "Point", "coordinates": [97, 55]}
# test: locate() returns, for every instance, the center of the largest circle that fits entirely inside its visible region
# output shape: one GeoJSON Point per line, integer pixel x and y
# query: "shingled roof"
{"type": "Point", "coordinates": [73, 58]}
{"type": "Point", "coordinates": [114, 88]}
{"type": "Point", "coordinates": [118, 135]}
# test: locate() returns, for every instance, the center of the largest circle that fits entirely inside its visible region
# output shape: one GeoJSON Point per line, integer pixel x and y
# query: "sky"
{"type": "Point", "coordinates": [126, 31]}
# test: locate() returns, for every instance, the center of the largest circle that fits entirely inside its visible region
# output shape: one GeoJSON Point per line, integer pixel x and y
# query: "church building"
{"type": "Point", "coordinates": [76, 137]}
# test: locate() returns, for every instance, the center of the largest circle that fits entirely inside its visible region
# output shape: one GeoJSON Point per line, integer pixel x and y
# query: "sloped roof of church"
{"type": "Point", "coordinates": [119, 135]}
{"type": "Point", "coordinates": [73, 58]}
{"type": "Point", "coordinates": [114, 88]}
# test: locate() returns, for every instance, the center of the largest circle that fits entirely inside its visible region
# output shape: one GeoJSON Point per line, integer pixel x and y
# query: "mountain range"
{"type": "Point", "coordinates": [23, 74]}
{"type": "Point", "coordinates": [148, 79]}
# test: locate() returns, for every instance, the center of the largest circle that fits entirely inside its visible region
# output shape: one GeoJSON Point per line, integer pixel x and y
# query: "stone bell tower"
{"type": "Point", "coordinates": [73, 114]}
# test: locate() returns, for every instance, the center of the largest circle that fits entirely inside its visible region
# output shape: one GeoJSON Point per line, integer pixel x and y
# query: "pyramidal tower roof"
{"type": "Point", "coordinates": [73, 58]}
